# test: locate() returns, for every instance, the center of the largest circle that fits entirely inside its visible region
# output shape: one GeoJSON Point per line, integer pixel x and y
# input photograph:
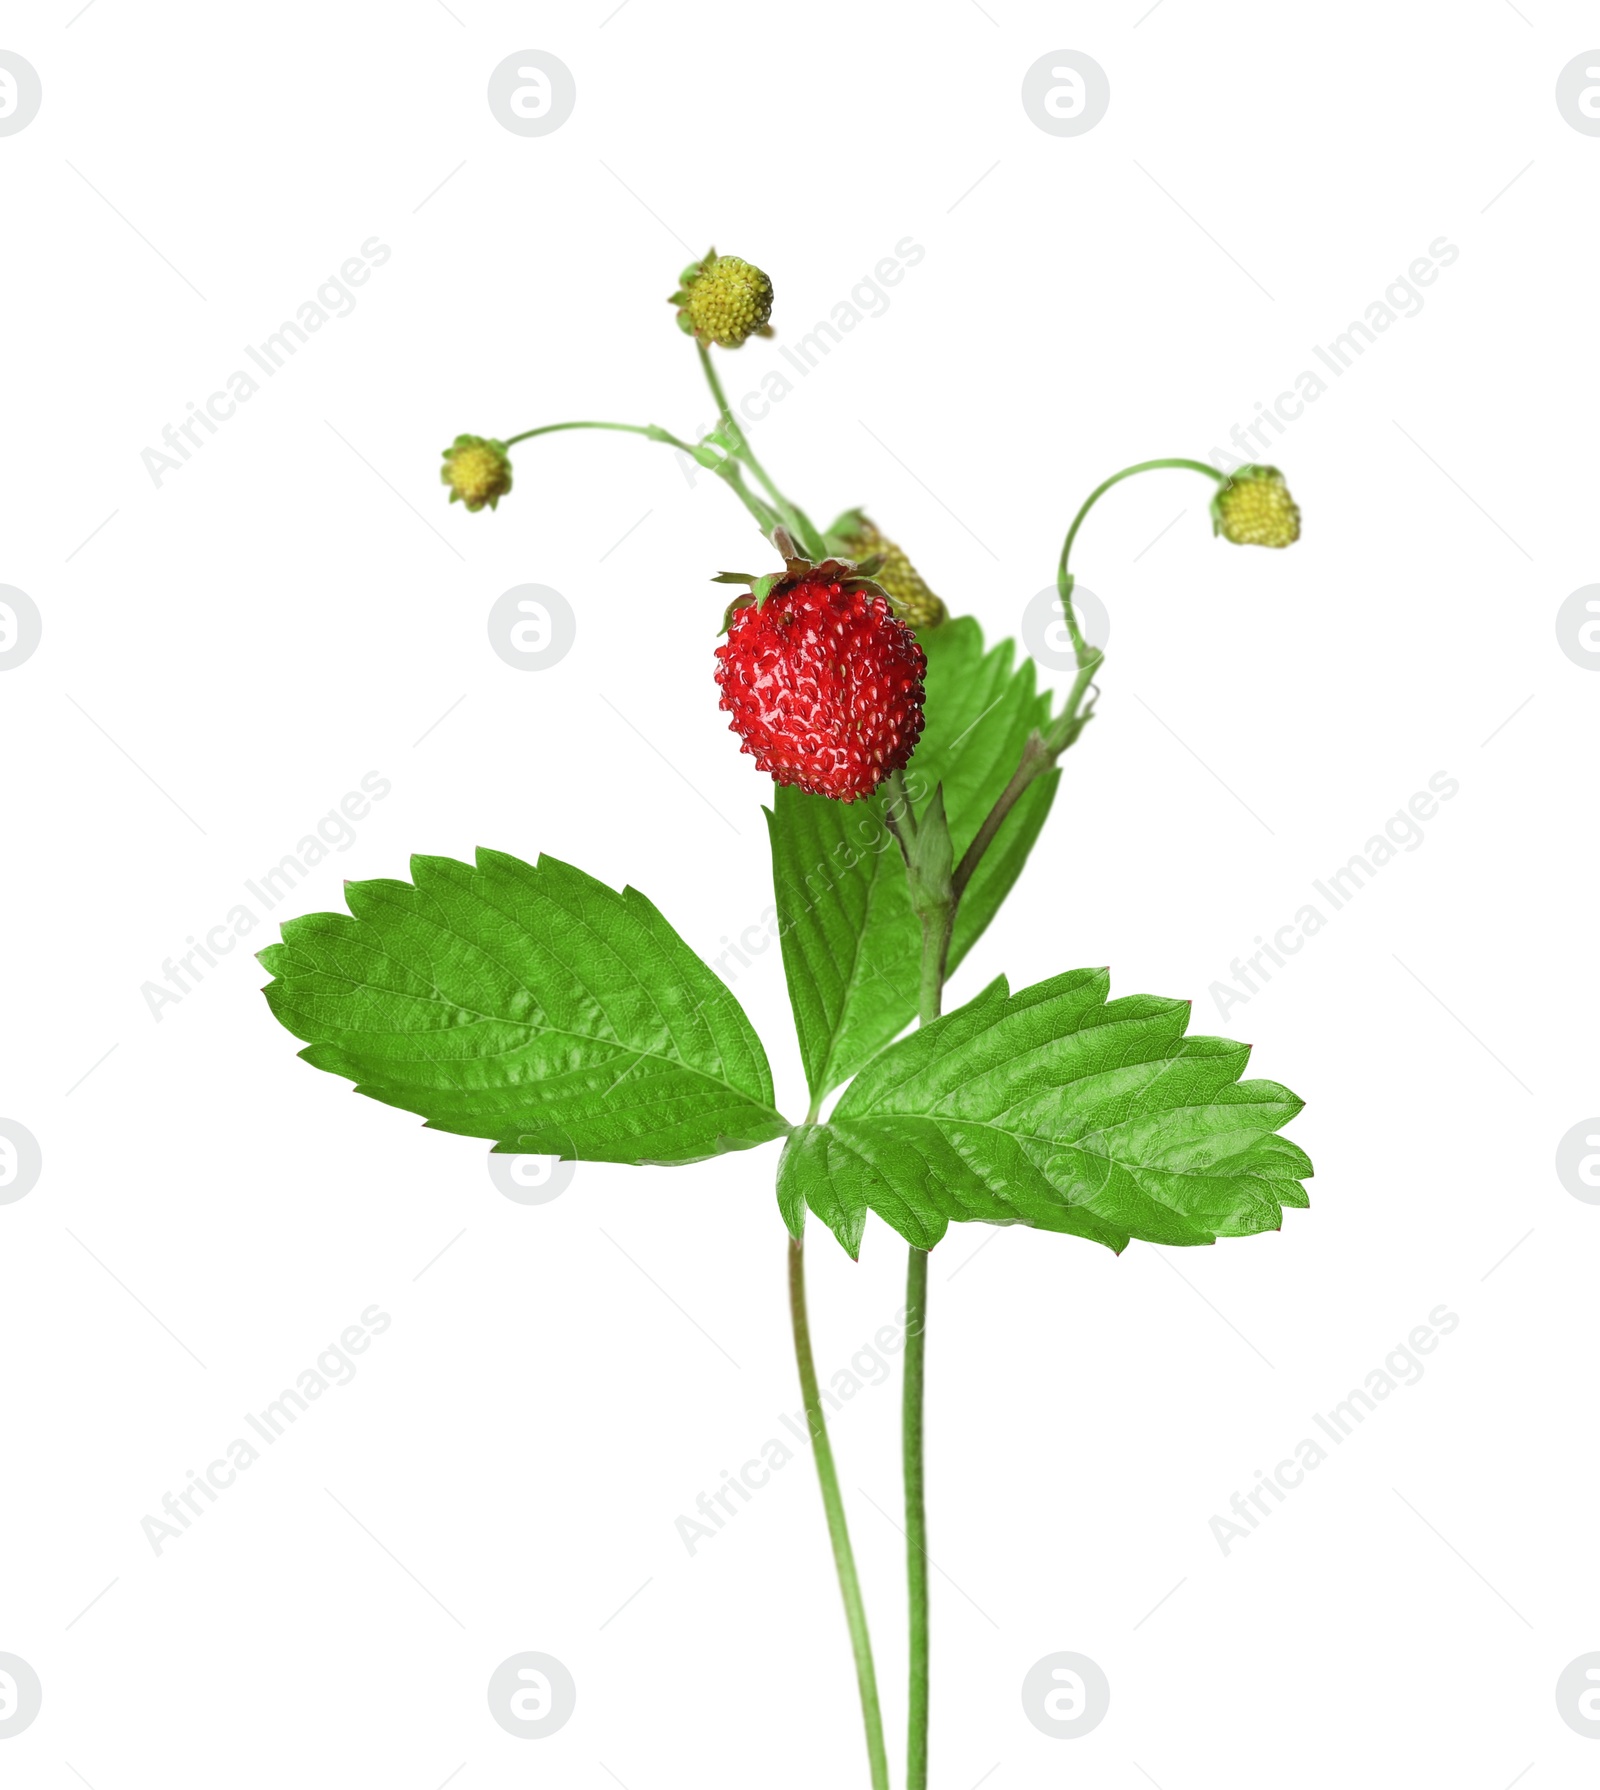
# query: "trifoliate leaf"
{"type": "Point", "coordinates": [1058, 1109]}
{"type": "Point", "coordinates": [851, 941]}
{"type": "Point", "coordinates": [528, 1004]}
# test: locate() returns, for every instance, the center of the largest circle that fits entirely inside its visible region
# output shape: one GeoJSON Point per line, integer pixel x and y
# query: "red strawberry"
{"type": "Point", "coordinates": [824, 684]}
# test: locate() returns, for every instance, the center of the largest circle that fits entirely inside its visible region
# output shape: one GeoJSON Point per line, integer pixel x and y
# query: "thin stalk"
{"type": "Point", "coordinates": [1042, 750]}
{"type": "Point", "coordinates": [1063, 579]}
{"type": "Point", "coordinates": [1036, 759]}
{"type": "Point", "coordinates": [838, 1532]}
{"type": "Point", "coordinates": [1039, 753]}
{"type": "Point", "coordinates": [654, 431]}
{"type": "Point", "coordinates": [768, 518]}
{"type": "Point", "coordinates": [916, 1517]}
{"type": "Point", "coordinates": [724, 466]}
{"type": "Point", "coordinates": [739, 443]}
{"type": "Point", "coordinates": [935, 948]}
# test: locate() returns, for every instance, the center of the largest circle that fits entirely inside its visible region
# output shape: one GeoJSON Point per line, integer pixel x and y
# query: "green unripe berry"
{"type": "Point", "coordinates": [857, 537]}
{"type": "Point", "coordinates": [723, 300]}
{"type": "Point", "coordinates": [1254, 509]}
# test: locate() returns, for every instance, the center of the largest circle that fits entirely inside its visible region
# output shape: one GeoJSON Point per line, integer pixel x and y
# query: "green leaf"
{"type": "Point", "coordinates": [851, 944]}
{"type": "Point", "coordinates": [981, 709]}
{"type": "Point", "coordinates": [851, 941]}
{"type": "Point", "coordinates": [1058, 1109]}
{"type": "Point", "coordinates": [528, 1004]}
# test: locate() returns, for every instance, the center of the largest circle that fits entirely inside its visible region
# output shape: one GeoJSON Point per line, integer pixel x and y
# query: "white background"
{"type": "Point", "coordinates": [298, 606]}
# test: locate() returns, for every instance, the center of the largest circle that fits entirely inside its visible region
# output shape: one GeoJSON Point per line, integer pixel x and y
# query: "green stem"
{"type": "Point", "coordinates": [916, 1517]}
{"type": "Point", "coordinates": [724, 466]}
{"type": "Point", "coordinates": [768, 518]}
{"type": "Point", "coordinates": [1063, 578]}
{"type": "Point", "coordinates": [838, 1532]}
{"type": "Point", "coordinates": [738, 443]}
{"type": "Point", "coordinates": [936, 932]}
{"type": "Point", "coordinates": [654, 431]}
{"type": "Point", "coordinates": [1037, 758]}
{"type": "Point", "coordinates": [1042, 750]}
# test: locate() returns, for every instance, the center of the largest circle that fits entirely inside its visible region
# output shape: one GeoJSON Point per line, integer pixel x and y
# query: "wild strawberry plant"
{"type": "Point", "coordinates": [914, 769]}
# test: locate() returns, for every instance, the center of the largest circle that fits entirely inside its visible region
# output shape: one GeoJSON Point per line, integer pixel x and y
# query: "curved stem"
{"type": "Point", "coordinates": [724, 466]}
{"type": "Point", "coordinates": [1042, 750]}
{"type": "Point", "coordinates": [652, 430]}
{"type": "Point", "coordinates": [838, 1532]}
{"type": "Point", "coordinates": [1063, 580]}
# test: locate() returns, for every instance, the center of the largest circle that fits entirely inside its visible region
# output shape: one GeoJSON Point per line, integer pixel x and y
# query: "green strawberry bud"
{"type": "Point", "coordinates": [478, 471]}
{"type": "Point", "coordinates": [1254, 509]}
